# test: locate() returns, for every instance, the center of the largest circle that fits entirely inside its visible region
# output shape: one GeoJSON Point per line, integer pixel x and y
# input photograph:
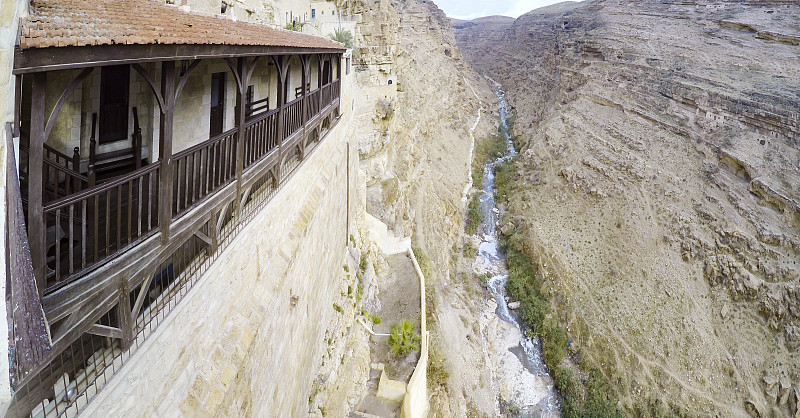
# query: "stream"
{"type": "Point", "coordinates": [519, 372]}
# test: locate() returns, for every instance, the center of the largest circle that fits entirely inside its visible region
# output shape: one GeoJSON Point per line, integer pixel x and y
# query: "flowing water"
{"type": "Point", "coordinates": [523, 373]}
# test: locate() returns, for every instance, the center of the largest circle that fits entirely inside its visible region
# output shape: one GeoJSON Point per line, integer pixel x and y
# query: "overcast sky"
{"type": "Point", "coordinates": [471, 9]}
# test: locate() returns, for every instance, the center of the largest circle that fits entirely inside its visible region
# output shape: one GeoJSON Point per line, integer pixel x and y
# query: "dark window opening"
{"type": "Point", "coordinates": [114, 84]}
{"type": "Point", "coordinates": [217, 104]}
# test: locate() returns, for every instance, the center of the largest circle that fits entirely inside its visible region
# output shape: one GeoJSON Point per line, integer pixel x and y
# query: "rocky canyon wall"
{"type": "Point", "coordinates": [659, 190]}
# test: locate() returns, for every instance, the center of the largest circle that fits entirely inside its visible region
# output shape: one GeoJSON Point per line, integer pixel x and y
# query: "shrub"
{"type": "Point", "coordinates": [474, 215]}
{"type": "Point", "coordinates": [342, 36]}
{"type": "Point", "coordinates": [376, 319]}
{"type": "Point", "coordinates": [403, 338]}
{"type": "Point", "coordinates": [554, 343]}
{"type": "Point", "coordinates": [469, 250]}
{"type": "Point", "coordinates": [338, 308]}
{"type": "Point", "coordinates": [294, 26]}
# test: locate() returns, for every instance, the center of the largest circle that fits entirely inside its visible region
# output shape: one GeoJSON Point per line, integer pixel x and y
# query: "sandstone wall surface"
{"type": "Point", "coordinates": [418, 116]}
{"type": "Point", "coordinates": [251, 336]}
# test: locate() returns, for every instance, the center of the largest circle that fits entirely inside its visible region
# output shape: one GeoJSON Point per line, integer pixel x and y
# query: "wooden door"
{"type": "Point", "coordinates": [114, 84]}
{"type": "Point", "coordinates": [217, 104]}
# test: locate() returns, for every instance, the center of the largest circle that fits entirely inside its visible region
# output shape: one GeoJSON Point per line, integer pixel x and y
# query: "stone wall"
{"type": "Point", "coordinates": [249, 338]}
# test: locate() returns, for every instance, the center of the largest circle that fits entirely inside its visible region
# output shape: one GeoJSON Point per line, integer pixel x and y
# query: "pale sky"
{"type": "Point", "coordinates": [471, 9]}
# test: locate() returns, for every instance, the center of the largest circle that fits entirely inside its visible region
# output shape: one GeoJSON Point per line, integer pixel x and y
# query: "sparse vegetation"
{"type": "Point", "coordinates": [294, 26]}
{"type": "Point", "coordinates": [403, 338]}
{"type": "Point", "coordinates": [338, 308]}
{"type": "Point", "coordinates": [437, 368]}
{"type": "Point", "coordinates": [589, 397]}
{"type": "Point", "coordinates": [469, 250]}
{"type": "Point", "coordinates": [342, 36]}
{"type": "Point", "coordinates": [474, 215]}
{"type": "Point", "coordinates": [423, 261]}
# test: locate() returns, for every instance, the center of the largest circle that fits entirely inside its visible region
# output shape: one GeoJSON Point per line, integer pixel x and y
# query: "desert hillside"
{"type": "Point", "coordinates": [658, 191]}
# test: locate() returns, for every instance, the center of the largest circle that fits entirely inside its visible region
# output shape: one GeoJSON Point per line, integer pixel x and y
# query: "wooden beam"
{"type": "Point", "coordinates": [124, 313]}
{"type": "Point", "coordinates": [36, 230]}
{"type": "Point", "coordinates": [204, 237]}
{"type": "Point", "coordinates": [105, 331]}
{"type": "Point", "coordinates": [184, 77]}
{"type": "Point", "coordinates": [150, 82]}
{"type": "Point", "coordinates": [283, 66]}
{"type": "Point", "coordinates": [33, 60]}
{"type": "Point", "coordinates": [61, 100]}
{"type": "Point", "coordinates": [30, 338]}
{"type": "Point", "coordinates": [306, 61]}
{"type": "Point", "coordinates": [239, 117]}
{"type": "Point", "coordinates": [17, 104]}
{"type": "Point", "coordinates": [165, 148]}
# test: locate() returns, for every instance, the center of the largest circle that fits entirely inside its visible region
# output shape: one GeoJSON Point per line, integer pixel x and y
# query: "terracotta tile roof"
{"type": "Point", "coordinates": [57, 23]}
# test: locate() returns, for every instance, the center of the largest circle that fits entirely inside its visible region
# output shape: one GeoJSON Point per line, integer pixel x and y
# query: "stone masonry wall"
{"type": "Point", "coordinates": [238, 345]}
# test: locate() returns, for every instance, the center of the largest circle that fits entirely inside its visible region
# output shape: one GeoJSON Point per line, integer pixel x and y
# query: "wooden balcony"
{"type": "Point", "coordinates": [107, 248]}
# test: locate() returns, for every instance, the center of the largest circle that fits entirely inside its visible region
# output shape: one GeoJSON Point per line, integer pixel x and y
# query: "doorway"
{"type": "Point", "coordinates": [217, 104]}
{"type": "Point", "coordinates": [114, 85]}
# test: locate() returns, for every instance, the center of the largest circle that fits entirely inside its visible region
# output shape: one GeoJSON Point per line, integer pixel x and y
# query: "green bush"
{"type": "Point", "coordinates": [474, 215]}
{"type": "Point", "coordinates": [469, 250]}
{"type": "Point", "coordinates": [294, 26]}
{"type": "Point", "coordinates": [554, 343]}
{"type": "Point", "coordinates": [403, 338]}
{"type": "Point", "coordinates": [591, 398]}
{"type": "Point", "coordinates": [342, 36]}
{"type": "Point", "coordinates": [338, 308]}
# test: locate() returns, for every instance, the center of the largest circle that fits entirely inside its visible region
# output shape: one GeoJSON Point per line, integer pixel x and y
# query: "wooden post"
{"type": "Point", "coordinates": [282, 76]}
{"type": "Point", "coordinates": [306, 61]}
{"type": "Point", "coordinates": [91, 217]}
{"type": "Point", "coordinates": [320, 62]}
{"type": "Point", "coordinates": [17, 104]}
{"type": "Point", "coordinates": [338, 66]}
{"type": "Point", "coordinates": [165, 148]}
{"type": "Point", "coordinates": [124, 312]}
{"type": "Point", "coordinates": [36, 221]}
{"type": "Point", "coordinates": [239, 117]}
{"type": "Point", "coordinates": [76, 166]}
{"type": "Point", "coordinates": [137, 140]}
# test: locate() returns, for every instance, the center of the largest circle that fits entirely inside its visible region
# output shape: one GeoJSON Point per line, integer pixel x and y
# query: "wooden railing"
{"type": "Point", "coordinates": [252, 109]}
{"type": "Point", "coordinates": [336, 90]}
{"type": "Point", "coordinates": [60, 181]}
{"type": "Point", "coordinates": [202, 169]}
{"type": "Point", "coordinates": [102, 251]}
{"type": "Point", "coordinates": [293, 117]}
{"type": "Point", "coordinates": [313, 104]}
{"type": "Point", "coordinates": [28, 335]}
{"type": "Point", "coordinates": [86, 224]}
{"type": "Point", "coordinates": [260, 137]}
{"type": "Point", "coordinates": [326, 95]}
{"type": "Point", "coordinates": [60, 173]}
{"type": "Point", "coordinates": [91, 226]}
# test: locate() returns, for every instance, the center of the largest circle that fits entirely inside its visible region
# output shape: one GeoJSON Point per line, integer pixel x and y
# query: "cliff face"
{"type": "Point", "coordinates": [658, 188]}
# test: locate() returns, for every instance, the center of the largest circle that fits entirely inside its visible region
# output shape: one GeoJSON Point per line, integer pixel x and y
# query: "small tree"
{"type": "Point", "coordinates": [343, 37]}
{"type": "Point", "coordinates": [403, 338]}
{"type": "Point", "coordinates": [295, 26]}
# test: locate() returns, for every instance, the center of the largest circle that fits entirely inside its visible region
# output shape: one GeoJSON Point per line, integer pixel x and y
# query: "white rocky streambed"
{"type": "Point", "coordinates": [519, 375]}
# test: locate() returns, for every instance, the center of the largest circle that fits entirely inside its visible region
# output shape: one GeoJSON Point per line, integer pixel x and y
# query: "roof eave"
{"type": "Point", "coordinates": [32, 60]}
